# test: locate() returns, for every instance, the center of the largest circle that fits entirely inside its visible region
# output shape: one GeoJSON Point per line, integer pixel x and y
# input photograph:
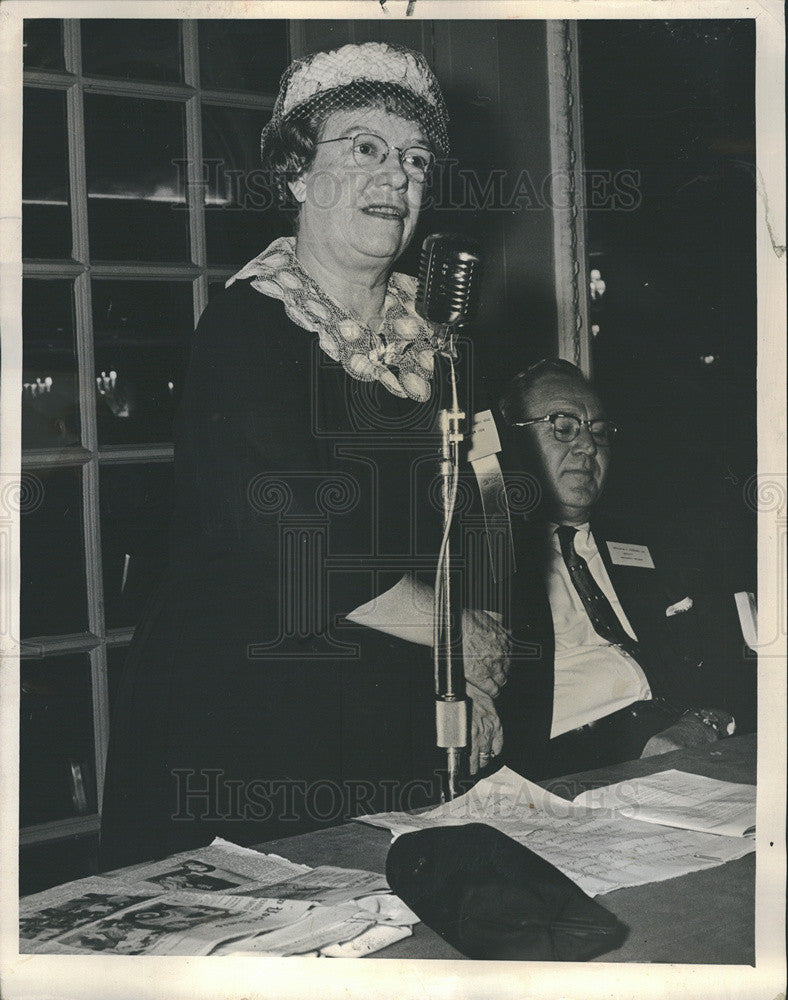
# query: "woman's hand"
{"type": "Point", "coordinates": [486, 731]}
{"type": "Point", "coordinates": [486, 649]}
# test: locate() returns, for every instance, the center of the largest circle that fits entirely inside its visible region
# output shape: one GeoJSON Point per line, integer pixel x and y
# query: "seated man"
{"type": "Point", "coordinates": [606, 641]}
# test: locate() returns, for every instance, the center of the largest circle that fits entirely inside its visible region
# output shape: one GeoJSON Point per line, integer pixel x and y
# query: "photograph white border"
{"type": "Point", "coordinates": [41, 977]}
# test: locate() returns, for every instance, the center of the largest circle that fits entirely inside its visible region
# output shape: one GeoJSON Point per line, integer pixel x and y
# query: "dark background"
{"type": "Point", "coordinates": [676, 351]}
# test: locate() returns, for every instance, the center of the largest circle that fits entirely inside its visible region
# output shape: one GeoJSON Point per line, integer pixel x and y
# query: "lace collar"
{"type": "Point", "coordinates": [401, 355]}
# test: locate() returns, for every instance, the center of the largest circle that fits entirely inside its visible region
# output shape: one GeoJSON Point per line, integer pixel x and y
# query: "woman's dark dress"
{"type": "Point", "coordinates": [301, 493]}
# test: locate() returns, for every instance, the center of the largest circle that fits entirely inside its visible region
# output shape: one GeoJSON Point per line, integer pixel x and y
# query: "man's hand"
{"type": "Point", "coordinates": [486, 732]}
{"type": "Point", "coordinates": [486, 648]}
{"type": "Point", "coordinates": [692, 730]}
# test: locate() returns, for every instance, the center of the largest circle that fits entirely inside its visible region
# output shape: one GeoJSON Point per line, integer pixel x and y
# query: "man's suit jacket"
{"type": "Point", "coordinates": [683, 654]}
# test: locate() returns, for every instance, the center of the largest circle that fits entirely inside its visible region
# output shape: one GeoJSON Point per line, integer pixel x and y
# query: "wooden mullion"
{"type": "Point", "coordinates": [163, 91]}
{"type": "Point", "coordinates": [48, 79]}
{"type": "Point", "coordinates": [52, 268]}
{"type": "Point", "coordinates": [127, 454]}
{"type": "Point", "coordinates": [195, 187]}
{"type": "Point", "coordinates": [75, 130]}
{"type": "Point", "coordinates": [58, 829]}
{"type": "Point", "coordinates": [141, 270]}
{"type": "Point", "coordinates": [137, 88]}
{"type": "Point", "coordinates": [566, 153]}
{"type": "Point", "coordinates": [296, 37]}
{"type": "Point", "coordinates": [45, 458]}
{"type": "Point", "coordinates": [238, 99]}
{"type": "Point", "coordinates": [120, 636]}
{"type": "Point", "coordinates": [39, 646]}
{"type": "Point", "coordinates": [87, 396]}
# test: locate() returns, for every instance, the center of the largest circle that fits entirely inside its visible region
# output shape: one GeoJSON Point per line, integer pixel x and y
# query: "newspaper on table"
{"type": "Point", "coordinates": [219, 867]}
{"type": "Point", "coordinates": [219, 900]}
{"type": "Point", "coordinates": [598, 848]}
{"type": "Point", "coordinates": [325, 884]}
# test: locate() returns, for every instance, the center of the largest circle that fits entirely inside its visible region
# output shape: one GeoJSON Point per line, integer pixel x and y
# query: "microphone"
{"type": "Point", "coordinates": [449, 279]}
{"type": "Point", "coordinates": [446, 295]}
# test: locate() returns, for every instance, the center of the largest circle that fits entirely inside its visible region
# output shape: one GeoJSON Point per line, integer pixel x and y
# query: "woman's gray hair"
{"type": "Point", "coordinates": [373, 74]}
{"type": "Point", "coordinates": [290, 146]}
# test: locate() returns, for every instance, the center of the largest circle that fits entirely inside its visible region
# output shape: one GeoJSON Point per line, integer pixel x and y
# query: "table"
{"type": "Point", "coordinates": [705, 917]}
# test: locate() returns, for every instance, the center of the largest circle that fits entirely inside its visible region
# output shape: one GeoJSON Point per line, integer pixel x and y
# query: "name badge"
{"type": "Point", "coordinates": [629, 554]}
{"type": "Point", "coordinates": [484, 437]}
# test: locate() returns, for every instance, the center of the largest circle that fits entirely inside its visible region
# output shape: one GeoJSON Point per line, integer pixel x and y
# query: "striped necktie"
{"type": "Point", "coordinates": [604, 619]}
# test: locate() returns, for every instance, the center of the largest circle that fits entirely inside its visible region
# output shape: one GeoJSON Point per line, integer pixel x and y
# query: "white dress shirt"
{"type": "Point", "coordinates": [592, 677]}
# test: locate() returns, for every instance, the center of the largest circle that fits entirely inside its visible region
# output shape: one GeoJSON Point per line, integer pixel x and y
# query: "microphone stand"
{"type": "Point", "coordinates": [451, 714]}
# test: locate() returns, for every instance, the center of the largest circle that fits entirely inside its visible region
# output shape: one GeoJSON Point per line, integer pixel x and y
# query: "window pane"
{"type": "Point", "coordinates": [243, 54]}
{"type": "Point", "coordinates": [53, 593]}
{"type": "Point", "coordinates": [135, 505]}
{"type": "Point", "coordinates": [50, 407]}
{"type": "Point", "coordinates": [140, 49]}
{"type": "Point", "coordinates": [240, 219]}
{"type": "Point", "coordinates": [43, 43]}
{"type": "Point", "coordinates": [46, 220]}
{"type": "Point", "coordinates": [135, 168]}
{"type": "Point", "coordinates": [141, 335]}
{"type": "Point", "coordinates": [56, 747]}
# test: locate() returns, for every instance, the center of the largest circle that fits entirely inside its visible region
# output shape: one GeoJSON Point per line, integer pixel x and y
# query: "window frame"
{"type": "Point", "coordinates": [89, 456]}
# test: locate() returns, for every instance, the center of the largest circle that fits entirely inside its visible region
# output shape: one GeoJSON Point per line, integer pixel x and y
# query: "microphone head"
{"type": "Point", "coordinates": [449, 278]}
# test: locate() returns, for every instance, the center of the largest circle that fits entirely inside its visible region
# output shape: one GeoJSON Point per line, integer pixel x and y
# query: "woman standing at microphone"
{"type": "Point", "coordinates": [254, 704]}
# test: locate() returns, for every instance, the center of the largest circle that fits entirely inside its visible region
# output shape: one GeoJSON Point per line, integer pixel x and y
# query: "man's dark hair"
{"type": "Point", "coordinates": [512, 401]}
